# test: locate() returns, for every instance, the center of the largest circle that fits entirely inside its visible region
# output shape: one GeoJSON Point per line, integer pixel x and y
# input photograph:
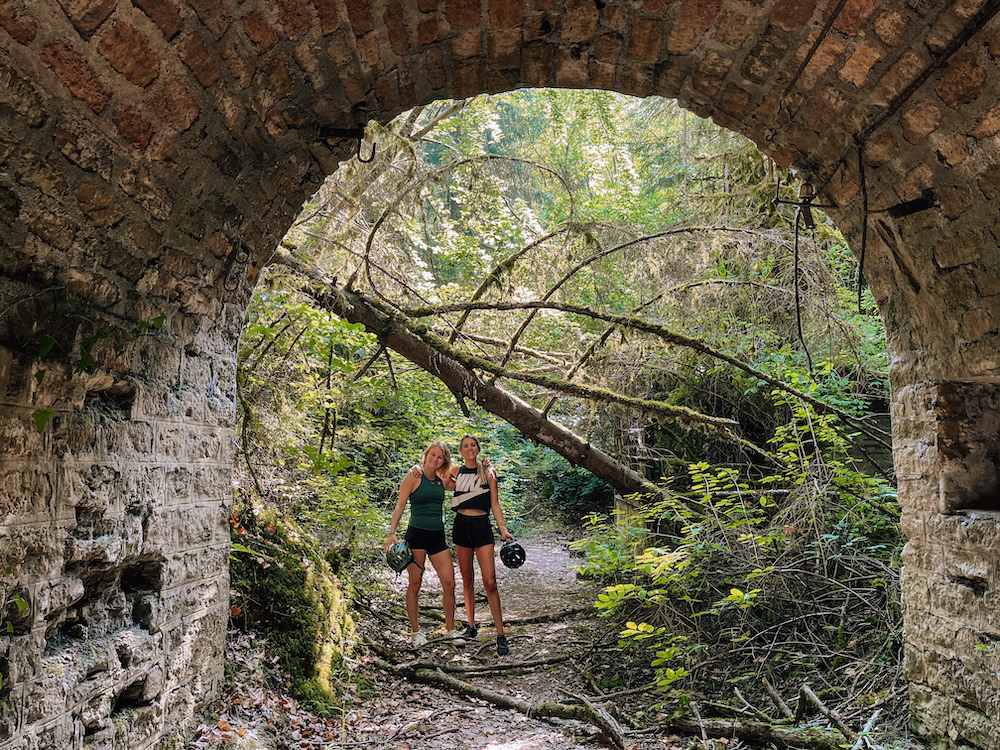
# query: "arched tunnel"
{"type": "Point", "coordinates": [154, 152]}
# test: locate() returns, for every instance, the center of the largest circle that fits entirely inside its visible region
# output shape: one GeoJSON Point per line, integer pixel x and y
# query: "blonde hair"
{"type": "Point", "coordinates": [446, 466]}
{"type": "Point", "coordinates": [480, 469]}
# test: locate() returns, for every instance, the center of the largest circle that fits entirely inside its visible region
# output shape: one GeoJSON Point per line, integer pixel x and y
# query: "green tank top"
{"type": "Point", "coordinates": [425, 505]}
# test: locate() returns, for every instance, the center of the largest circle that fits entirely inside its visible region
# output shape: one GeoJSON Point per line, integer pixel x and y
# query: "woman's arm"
{"type": "Point", "coordinates": [448, 480]}
{"type": "Point", "coordinates": [405, 488]}
{"type": "Point", "coordinates": [497, 510]}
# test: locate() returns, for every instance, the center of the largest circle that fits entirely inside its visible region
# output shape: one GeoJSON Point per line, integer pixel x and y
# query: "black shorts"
{"type": "Point", "coordinates": [472, 531]}
{"type": "Point", "coordinates": [430, 541]}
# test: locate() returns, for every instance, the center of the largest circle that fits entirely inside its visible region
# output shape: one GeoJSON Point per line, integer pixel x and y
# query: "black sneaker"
{"type": "Point", "coordinates": [470, 632]}
{"type": "Point", "coordinates": [502, 648]}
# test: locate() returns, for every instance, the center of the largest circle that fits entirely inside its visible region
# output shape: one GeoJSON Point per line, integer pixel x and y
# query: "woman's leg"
{"type": "Point", "coordinates": [446, 573]}
{"type": "Point", "coordinates": [416, 576]}
{"type": "Point", "coordinates": [464, 555]}
{"type": "Point", "coordinates": [487, 568]}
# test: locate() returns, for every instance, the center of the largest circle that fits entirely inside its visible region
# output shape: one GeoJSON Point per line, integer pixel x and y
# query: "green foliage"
{"type": "Point", "coordinates": [733, 561]}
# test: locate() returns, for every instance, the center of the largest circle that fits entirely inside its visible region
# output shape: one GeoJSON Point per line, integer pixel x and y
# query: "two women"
{"type": "Point", "coordinates": [475, 487]}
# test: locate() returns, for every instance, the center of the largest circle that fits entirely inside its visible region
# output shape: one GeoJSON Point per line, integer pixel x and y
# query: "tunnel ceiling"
{"type": "Point", "coordinates": [156, 151]}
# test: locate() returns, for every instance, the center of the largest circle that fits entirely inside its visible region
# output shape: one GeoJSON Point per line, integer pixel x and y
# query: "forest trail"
{"type": "Point", "coordinates": [549, 618]}
{"type": "Point", "coordinates": [549, 615]}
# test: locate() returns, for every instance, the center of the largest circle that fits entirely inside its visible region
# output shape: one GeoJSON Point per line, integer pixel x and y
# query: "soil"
{"type": "Point", "coordinates": [548, 615]}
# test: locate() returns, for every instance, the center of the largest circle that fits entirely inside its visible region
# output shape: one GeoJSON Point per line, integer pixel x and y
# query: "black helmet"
{"type": "Point", "coordinates": [398, 556]}
{"type": "Point", "coordinates": [512, 555]}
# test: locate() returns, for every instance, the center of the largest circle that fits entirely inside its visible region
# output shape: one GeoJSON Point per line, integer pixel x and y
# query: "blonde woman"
{"type": "Point", "coordinates": [425, 535]}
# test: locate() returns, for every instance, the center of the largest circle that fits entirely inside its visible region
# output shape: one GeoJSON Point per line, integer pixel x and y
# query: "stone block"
{"type": "Point", "coordinates": [196, 56]}
{"type": "Point", "coordinates": [175, 105]}
{"type": "Point", "coordinates": [962, 81]}
{"type": "Point", "coordinates": [133, 127]}
{"type": "Point", "coordinates": [183, 567]}
{"type": "Point", "coordinates": [17, 22]}
{"type": "Point", "coordinates": [88, 15]}
{"type": "Point", "coordinates": [329, 15]}
{"type": "Point", "coordinates": [463, 14]}
{"type": "Point", "coordinates": [902, 73]}
{"type": "Point", "coordinates": [646, 40]}
{"type": "Point", "coordinates": [76, 74]}
{"type": "Point", "coordinates": [213, 14]}
{"type": "Point", "coordinates": [694, 18]}
{"type": "Point", "coordinates": [859, 65]}
{"type": "Point", "coordinates": [129, 53]}
{"type": "Point", "coordinates": [100, 204]}
{"type": "Point", "coordinates": [164, 14]}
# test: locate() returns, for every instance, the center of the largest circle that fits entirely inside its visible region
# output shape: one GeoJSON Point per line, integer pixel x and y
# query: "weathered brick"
{"type": "Point", "coordinates": [608, 48]}
{"type": "Point", "coordinates": [536, 63]}
{"type": "Point", "coordinates": [853, 15]}
{"type": "Point", "coordinates": [174, 104]}
{"type": "Point", "coordinates": [694, 18]}
{"type": "Point", "coordinates": [506, 14]}
{"type": "Point", "coordinates": [76, 75]}
{"type": "Point", "coordinates": [17, 21]}
{"type": "Point", "coordinates": [791, 14]}
{"type": "Point", "coordinates": [614, 17]}
{"type": "Point", "coordinates": [735, 102]}
{"type": "Point", "coordinates": [58, 231]}
{"type": "Point", "coordinates": [710, 73]}
{"type": "Point", "coordinates": [164, 14]}
{"type": "Point", "coordinates": [241, 62]}
{"type": "Point", "coordinates": [467, 45]}
{"type": "Point", "coordinates": [957, 250]}
{"type": "Point", "coordinates": [260, 31]}
{"type": "Point", "coordinates": [962, 81]}
{"type": "Point", "coordinates": [989, 182]}
{"type": "Point", "coordinates": [903, 72]}
{"type": "Point", "coordinates": [196, 56]}
{"type": "Point", "coordinates": [329, 16]}
{"type": "Point", "coordinates": [822, 58]}
{"type": "Point", "coordinates": [920, 120]}
{"type": "Point", "coordinates": [646, 39]}
{"type": "Point", "coordinates": [277, 75]}
{"type": "Point", "coordinates": [503, 49]}
{"type": "Point", "coordinates": [233, 112]}
{"type": "Point", "coordinates": [88, 15]}
{"type": "Point", "coordinates": [427, 6]}
{"type": "Point", "coordinates": [579, 21]}
{"type": "Point", "coordinates": [891, 27]}
{"type": "Point", "coordinates": [914, 183]}
{"type": "Point", "coordinates": [734, 29]}
{"type": "Point", "coordinates": [427, 31]}
{"type": "Point", "coordinates": [536, 28]}
{"type": "Point", "coordinates": [133, 127]}
{"type": "Point", "coordinates": [636, 80]}
{"type": "Point", "coordinates": [954, 150]}
{"type": "Point", "coordinates": [21, 96]}
{"type": "Point", "coordinates": [943, 32]}
{"type": "Point", "coordinates": [571, 72]}
{"type": "Point", "coordinates": [295, 17]}
{"type": "Point", "coordinates": [41, 175]}
{"type": "Point", "coordinates": [865, 56]}
{"type": "Point", "coordinates": [129, 53]}
{"type": "Point", "coordinates": [988, 125]}
{"type": "Point", "coordinates": [603, 75]}
{"type": "Point", "coordinates": [213, 14]}
{"type": "Point", "coordinates": [395, 22]}
{"type": "Point", "coordinates": [463, 14]}
{"type": "Point", "coordinates": [371, 54]}
{"type": "Point", "coordinates": [881, 148]}
{"type": "Point", "coordinates": [359, 16]}
{"type": "Point", "coordinates": [101, 205]}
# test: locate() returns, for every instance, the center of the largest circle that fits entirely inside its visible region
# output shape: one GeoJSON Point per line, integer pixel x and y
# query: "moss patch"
{"type": "Point", "coordinates": [285, 590]}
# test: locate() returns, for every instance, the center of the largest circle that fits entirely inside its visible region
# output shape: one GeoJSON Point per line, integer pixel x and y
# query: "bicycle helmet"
{"type": "Point", "coordinates": [512, 555]}
{"type": "Point", "coordinates": [398, 556]}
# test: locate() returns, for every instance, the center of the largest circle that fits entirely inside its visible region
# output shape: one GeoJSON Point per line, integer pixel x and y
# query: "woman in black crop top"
{"type": "Point", "coordinates": [475, 496]}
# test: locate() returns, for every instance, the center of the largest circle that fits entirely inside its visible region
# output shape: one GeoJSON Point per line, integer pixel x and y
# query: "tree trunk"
{"type": "Point", "coordinates": [465, 382]}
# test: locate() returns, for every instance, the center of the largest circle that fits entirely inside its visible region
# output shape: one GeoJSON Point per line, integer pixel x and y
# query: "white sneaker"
{"type": "Point", "coordinates": [418, 639]}
{"type": "Point", "coordinates": [452, 635]}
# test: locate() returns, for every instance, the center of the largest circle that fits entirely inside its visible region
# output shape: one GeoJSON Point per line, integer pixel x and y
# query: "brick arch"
{"type": "Point", "coordinates": [153, 153]}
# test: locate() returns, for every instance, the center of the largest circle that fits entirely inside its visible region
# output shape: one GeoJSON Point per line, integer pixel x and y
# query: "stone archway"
{"type": "Point", "coordinates": [153, 153]}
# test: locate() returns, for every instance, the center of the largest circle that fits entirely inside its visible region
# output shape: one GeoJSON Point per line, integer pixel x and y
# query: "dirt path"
{"type": "Point", "coordinates": [396, 713]}
{"type": "Point", "coordinates": [545, 585]}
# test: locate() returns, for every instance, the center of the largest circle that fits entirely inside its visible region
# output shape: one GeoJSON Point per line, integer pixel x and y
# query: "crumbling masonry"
{"type": "Point", "coordinates": [153, 152]}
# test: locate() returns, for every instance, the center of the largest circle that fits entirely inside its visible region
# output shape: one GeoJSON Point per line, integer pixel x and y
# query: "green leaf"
{"type": "Point", "coordinates": [42, 417]}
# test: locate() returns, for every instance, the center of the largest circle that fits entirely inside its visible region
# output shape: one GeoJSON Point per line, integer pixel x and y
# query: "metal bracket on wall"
{"type": "Point", "coordinates": [357, 133]}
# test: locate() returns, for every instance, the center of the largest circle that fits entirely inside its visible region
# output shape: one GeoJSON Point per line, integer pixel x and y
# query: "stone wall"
{"type": "Point", "coordinates": [153, 153]}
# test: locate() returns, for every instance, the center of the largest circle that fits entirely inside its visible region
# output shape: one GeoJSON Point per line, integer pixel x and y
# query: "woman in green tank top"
{"type": "Point", "coordinates": [425, 535]}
